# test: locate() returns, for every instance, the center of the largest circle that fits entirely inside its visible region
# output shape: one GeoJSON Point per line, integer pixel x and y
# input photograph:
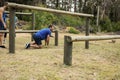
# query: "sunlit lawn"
{"type": "Point", "coordinates": [100, 62]}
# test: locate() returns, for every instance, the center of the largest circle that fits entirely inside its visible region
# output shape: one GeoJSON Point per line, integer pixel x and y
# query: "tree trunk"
{"type": "Point", "coordinates": [80, 6]}
{"type": "Point", "coordinates": [75, 7]}
{"type": "Point", "coordinates": [97, 21]}
{"type": "Point", "coordinates": [57, 4]}
{"type": "Point", "coordinates": [44, 2]}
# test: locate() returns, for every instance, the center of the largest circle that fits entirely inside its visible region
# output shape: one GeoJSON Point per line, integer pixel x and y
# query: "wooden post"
{"type": "Point", "coordinates": [12, 31]}
{"type": "Point", "coordinates": [33, 24]}
{"type": "Point", "coordinates": [87, 33]}
{"type": "Point", "coordinates": [67, 51]}
{"type": "Point", "coordinates": [97, 21]}
{"type": "Point", "coordinates": [56, 38]}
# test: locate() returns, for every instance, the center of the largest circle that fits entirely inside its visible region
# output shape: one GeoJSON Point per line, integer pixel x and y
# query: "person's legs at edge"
{"type": "Point", "coordinates": [1, 39]}
{"type": "Point", "coordinates": [5, 35]}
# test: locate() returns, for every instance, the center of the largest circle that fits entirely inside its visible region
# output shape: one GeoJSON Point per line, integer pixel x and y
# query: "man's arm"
{"type": "Point", "coordinates": [47, 40]}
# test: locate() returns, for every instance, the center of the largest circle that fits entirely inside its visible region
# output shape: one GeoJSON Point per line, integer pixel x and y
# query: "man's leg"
{"type": "Point", "coordinates": [37, 43]}
{"type": "Point", "coordinates": [40, 46]}
{"type": "Point", "coordinates": [5, 35]}
{"type": "Point", "coordinates": [1, 39]}
{"type": "Point", "coordinates": [36, 46]}
{"type": "Point", "coordinates": [32, 44]}
{"type": "Point", "coordinates": [1, 36]}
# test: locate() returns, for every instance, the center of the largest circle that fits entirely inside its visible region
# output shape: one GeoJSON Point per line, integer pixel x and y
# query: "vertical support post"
{"type": "Point", "coordinates": [12, 31]}
{"type": "Point", "coordinates": [97, 21]}
{"type": "Point", "coordinates": [67, 51]}
{"type": "Point", "coordinates": [33, 24]}
{"type": "Point", "coordinates": [56, 38]}
{"type": "Point", "coordinates": [87, 33]}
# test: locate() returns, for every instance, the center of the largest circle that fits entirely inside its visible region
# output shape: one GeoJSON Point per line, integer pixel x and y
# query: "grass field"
{"type": "Point", "coordinates": [100, 62]}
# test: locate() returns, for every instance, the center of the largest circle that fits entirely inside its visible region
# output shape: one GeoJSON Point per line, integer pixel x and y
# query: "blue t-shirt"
{"type": "Point", "coordinates": [43, 33]}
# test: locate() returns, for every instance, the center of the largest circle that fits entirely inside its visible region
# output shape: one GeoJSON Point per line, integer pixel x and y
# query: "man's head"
{"type": "Point", "coordinates": [51, 27]}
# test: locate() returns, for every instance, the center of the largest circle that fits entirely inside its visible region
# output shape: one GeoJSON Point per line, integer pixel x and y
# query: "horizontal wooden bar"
{"type": "Point", "coordinates": [20, 13]}
{"type": "Point", "coordinates": [46, 9]}
{"type": "Point", "coordinates": [20, 31]}
{"type": "Point", "coordinates": [91, 38]}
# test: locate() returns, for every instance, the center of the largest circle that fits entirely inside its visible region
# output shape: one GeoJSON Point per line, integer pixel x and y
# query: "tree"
{"type": "Point", "coordinates": [75, 5]}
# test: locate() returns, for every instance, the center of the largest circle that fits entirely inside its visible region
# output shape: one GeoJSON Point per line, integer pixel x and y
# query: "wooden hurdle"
{"type": "Point", "coordinates": [12, 28]}
{"type": "Point", "coordinates": [20, 13]}
{"type": "Point", "coordinates": [12, 7]}
{"type": "Point", "coordinates": [33, 31]}
{"type": "Point", "coordinates": [68, 42]}
{"type": "Point", "coordinates": [28, 14]}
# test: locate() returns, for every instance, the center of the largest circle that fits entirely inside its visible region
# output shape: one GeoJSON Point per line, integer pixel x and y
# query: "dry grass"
{"type": "Point", "coordinates": [100, 62]}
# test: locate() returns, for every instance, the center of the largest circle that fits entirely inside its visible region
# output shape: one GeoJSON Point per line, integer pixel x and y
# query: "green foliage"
{"type": "Point", "coordinates": [106, 24]}
{"type": "Point", "coordinates": [73, 30]}
{"type": "Point", "coordinates": [43, 19]}
{"type": "Point", "coordinates": [116, 26]}
{"type": "Point", "coordinates": [68, 20]}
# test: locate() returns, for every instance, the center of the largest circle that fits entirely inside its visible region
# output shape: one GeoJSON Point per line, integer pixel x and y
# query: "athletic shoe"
{"type": "Point", "coordinates": [2, 46]}
{"type": "Point", "coordinates": [27, 46]}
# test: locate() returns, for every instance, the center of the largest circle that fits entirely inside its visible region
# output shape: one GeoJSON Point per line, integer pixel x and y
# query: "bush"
{"type": "Point", "coordinates": [73, 30]}
{"type": "Point", "coordinates": [106, 24]}
{"type": "Point", "coordinates": [43, 19]}
{"type": "Point", "coordinates": [116, 26]}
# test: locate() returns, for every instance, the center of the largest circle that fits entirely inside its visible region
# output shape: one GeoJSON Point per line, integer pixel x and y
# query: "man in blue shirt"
{"type": "Point", "coordinates": [43, 34]}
